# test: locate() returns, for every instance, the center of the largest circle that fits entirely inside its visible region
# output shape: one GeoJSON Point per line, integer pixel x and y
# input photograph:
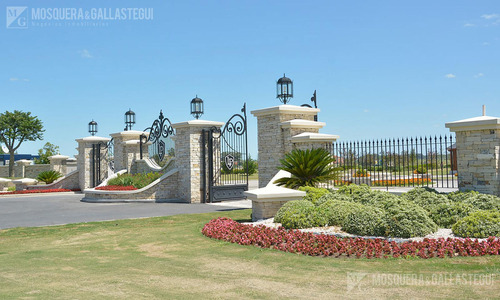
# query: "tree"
{"type": "Point", "coordinates": [48, 150]}
{"type": "Point", "coordinates": [17, 127]}
{"type": "Point", "coordinates": [308, 168]}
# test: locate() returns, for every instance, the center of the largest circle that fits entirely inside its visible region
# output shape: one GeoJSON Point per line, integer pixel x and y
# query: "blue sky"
{"type": "Point", "coordinates": [380, 68]}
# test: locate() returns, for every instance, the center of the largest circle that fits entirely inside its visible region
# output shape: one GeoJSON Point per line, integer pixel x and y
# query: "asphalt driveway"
{"type": "Point", "coordinates": [65, 208]}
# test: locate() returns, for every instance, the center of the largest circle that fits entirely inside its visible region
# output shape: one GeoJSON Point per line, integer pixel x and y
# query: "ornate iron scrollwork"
{"type": "Point", "coordinates": [159, 130]}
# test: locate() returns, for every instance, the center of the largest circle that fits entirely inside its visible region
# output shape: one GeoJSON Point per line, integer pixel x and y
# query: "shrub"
{"type": "Point", "coordinates": [336, 211]}
{"type": "Point", "coordinates": [365, 220]}
{"type": "Point", "coordinates": [300, 214]}
{"type": "Point", "coordinates": [447, 214]}
{"type": "Point", "coordinates": [313, 194]}
{"type": "Point", "coordinates": [308, 168]}
{"type": "Point", "coordinates": [461, 196]}
{"type": "Point", "coordinates": [480, 224]}
{"type": "Point", "coordinates": [332, 196]}
{"type": "Point", "coordinates": [138, 180]}
{"type": "Point", "coordinates": [361, 173]}
{"type": "Point", "coordinates": [49, 176]}
{"type": "Point", "coordinates": [420, 170]}
{"type": "Point", "coordinates": [405, 219]}
{"type": "Point", "coordinates": [425, 198]}
{"type": "Point", "coordinates": [484, 202]}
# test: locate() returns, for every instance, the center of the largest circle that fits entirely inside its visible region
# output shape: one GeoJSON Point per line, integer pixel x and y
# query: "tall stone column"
{"type": "Point", "coordinates": [127, 148]}
{"type": "Point", "coordinates": [276, 126]}
{"type": "Point", "coordinates": [84, 162]}
{"type": "Point", "coordinates": [20, 167]}
{"type": "Point", "coordinates": [188, 157]}
{"type": "Point", "coordinates": [58, 163]}
{"type": "Point", "coordinates": [478, 154]}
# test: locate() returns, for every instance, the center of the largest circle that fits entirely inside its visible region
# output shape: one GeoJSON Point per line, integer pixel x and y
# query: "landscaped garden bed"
{"type": "Point", "coordinates": [38, 191]}
{"type": "Point", "coordinates": [138, 181]}
{"type": "Point", "coordinates": [116, 188]}
{"type": "Point", "coordinates": [356, 221]}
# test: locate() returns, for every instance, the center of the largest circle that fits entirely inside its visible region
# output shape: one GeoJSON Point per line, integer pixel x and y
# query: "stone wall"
{"type": "Point", "coordinates": [478, 158]}
{"type": "Point", "coordinates": [32, 171]}
{"type": "Point", "coordinates": [69, 182]}
{"type": "Point", "coordinates": [165, 188]}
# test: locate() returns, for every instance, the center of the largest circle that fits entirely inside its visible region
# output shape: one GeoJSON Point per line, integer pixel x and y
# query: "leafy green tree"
{"type": "Point", "coordinates": [308, 168]}
{"type": "Point", "coordinates": [17, 127]}
{"type": "Point", "coordinates": [48, 150]}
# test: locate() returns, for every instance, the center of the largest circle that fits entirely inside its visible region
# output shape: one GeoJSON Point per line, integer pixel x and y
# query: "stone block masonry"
{"type": "Point", "coordinates": [478, 154]}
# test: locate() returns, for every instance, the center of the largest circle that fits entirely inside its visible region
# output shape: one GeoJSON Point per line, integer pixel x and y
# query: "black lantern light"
{"type": "Point", "coordinates": [284, 89]}
{"type": "Point", "coordinates": [129, 119]}
{"type": "Point", "coordinates": [197, 107]}
{"type": "Point", "coordinates": [92, 127]}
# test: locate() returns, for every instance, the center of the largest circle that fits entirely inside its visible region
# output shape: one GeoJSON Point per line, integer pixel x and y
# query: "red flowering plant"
{"type": "Point", "coordinates": [116, 188]}
{"type": "Point", "coordinates": [39, 191]}
{"type": "Point", "coordinates": [295, 241]}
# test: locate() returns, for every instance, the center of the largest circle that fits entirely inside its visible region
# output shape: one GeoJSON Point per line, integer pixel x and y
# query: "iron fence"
{"type": "Point", "coordinates": [427, 161]}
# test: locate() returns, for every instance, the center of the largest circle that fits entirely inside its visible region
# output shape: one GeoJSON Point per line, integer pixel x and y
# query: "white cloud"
{"type": "Point", "coordinates": [490, 16]}
{"type": "Point", "coordinates": [450, 75]}
{"type": "Point", "coordinates": [478, 75]}
{"type": "Point", "coordinates": [85, 53]}
{"type": "Point", "coordinates": [469, 25]}
{"type": "Point", "coordinates": [18, 79]}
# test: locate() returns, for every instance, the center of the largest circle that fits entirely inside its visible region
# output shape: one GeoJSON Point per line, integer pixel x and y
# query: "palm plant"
{"type": "Point", "coordinates": [308, 168]}
{"type": "Point", "coordinates": [49, 176]}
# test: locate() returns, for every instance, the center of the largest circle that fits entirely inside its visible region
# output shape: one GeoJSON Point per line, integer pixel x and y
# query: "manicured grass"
{"type": "Point", "coordinates": [169, 258]}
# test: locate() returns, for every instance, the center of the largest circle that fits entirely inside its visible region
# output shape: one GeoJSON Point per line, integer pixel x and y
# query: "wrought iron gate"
{"type": "Point", "coordinates": [102, 162]}
{"type": "Point", "coordinates": [160, 136]}
{"type": "Point", "coordinates": [225, 160]}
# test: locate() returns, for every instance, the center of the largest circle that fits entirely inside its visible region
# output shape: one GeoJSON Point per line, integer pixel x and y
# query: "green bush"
{"type": "Point", "coordinates": [312, 193]}
{"type": "Point", "coordinates": [461, 196]}
{"type": "Point", "coordinates": [365, 220]}
{"type": "Point", "coordinates": [336, 211]}
{"type": "Point", "coordinates": [300, 214]}
{"type": "Point", "coordinates": [425, 199]}
{"type": "Point", "coordinates": [480, 224]}
{"type": "Point", "coordinates": [405, 219]}
{"type": "Point", "coordinates": [49, 176]}
{"type": "Point", "coordinates": [332, 196]}
{"type": "Point", "coordinates": [447, 214]}
{"type": "Point", "coordinates": [138, 180]}
{"type": "Point", "coordinates": [420, 170]}
{"type": "Point", "coordinates": [484, 202]}
{"type": "Point", "coordinates": [11, 189]}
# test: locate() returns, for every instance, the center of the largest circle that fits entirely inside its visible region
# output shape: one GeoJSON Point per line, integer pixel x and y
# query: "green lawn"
{"type": "Point", "coordinates": [169, 258]}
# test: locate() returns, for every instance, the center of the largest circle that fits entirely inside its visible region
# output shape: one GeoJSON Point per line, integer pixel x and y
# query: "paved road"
{"type": "Point", "coordinates": [56, 209]}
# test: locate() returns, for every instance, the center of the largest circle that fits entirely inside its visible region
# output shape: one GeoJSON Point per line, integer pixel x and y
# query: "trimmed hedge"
{"type": "Point", "coordinates": [447, 214]}
{"type": "Point", "coordinates": [480, 224]}
{"type": "Point", "coordinates": [336, 211]}
{"type": "Point", "coordinates": [300, 214]}
{"type": "Point", "coordinates": [365, 220]}
{"type": "Point", "coordinates": [313, 194]}
{"type": "Point", "coordinates": [405, 219]}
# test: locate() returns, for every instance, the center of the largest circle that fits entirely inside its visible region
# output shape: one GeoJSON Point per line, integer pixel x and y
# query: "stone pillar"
{"type": "Point", "coordinates": [84, 163]}
{"type": "Point", "coordinates": [188, 157]}
{"type": "Point", "coordinates": [58, 163]}
{"type": "Point", "coordinates": [275, 133]}
{"type": "Point", "coordinates": [308, 140]}
{"type": "Point", "coordinates": [126, 148]}
{"type": "Point", "coordinates": [20, 167]}
{"type": "Point", "coordinates": [478, 154]}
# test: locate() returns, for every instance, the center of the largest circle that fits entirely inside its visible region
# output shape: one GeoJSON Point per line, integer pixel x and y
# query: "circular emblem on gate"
{"type": "Point", "coordinates": [229, 160]}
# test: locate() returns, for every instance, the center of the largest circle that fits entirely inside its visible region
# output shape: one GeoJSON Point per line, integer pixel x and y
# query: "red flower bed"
{"type": "Point", "coordinates": [295, 241]}
{"type": "Point", "coordinates": [38, 191]}
{"type": "Point", "coordinates": [116, 188]}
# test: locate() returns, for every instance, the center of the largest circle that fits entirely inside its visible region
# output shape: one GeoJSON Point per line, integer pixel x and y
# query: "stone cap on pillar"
{"type": "Point", "coordinates": [58, 157]}
{"type": "Point", "coordinates": [307, 137]}
{"type": "Point", "coordinates": [286, 108]}
{"type": "Point", "coordinates": [299, 123]}
{"type": "Point", "coordinates": [91, 139]}
{"type": "Point", "coordinates": [477, 123]}
{"type": "Point", "coordinates": [129, 134]}
{"type": "Point", "coordinates": [198, 123]}
{"type": "Point", "coordinates": [23, 162]}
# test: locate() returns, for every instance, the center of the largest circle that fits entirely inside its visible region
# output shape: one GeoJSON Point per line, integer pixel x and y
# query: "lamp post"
{"type": "Point", "coordinates": [284, 89]}
{"type": "Point", "coordinates": [197, 107]}
{"type": "Point", "coordinates": [129, 119]}
{"type": "Point", "coordinates": [92, 127]}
